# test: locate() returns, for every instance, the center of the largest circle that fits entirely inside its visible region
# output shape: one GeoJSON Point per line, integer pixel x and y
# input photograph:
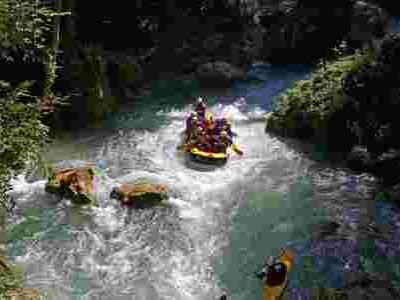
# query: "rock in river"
{"type": "Point", "coordinates": [74, 182]}
{"type": "Point", "coordinates": [139, 194]}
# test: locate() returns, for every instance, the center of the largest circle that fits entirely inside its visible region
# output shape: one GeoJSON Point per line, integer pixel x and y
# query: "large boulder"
{"type": "Point", "coordinates": [74, 182]}
{"type": "Point", "coordinates": [139, 194]}
{"type": "Point", "coordinates": [219, 73]}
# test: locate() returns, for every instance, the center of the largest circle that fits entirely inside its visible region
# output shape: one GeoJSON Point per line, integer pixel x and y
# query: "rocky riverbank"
{"type": "Point", "coordinates": [207, 48]}
{"type": "Point", "coordinates": [350, 104]}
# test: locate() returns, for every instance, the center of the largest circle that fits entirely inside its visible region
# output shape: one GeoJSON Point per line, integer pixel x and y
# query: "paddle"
{"type": "Point", "coordinates": [235, 148]}
{"type": "Point", "coordinates": [268, 261]}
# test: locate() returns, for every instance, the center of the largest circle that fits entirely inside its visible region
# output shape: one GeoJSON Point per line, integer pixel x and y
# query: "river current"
{"type": "Point", "coordinates": [218, 225]}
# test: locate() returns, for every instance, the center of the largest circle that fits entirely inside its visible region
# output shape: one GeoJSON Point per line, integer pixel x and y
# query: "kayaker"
{"type": "Point", "coordinates": [276, 274]}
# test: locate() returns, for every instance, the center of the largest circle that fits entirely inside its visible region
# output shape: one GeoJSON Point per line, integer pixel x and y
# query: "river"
{"type": "Point", "coordinates": [218, 224]}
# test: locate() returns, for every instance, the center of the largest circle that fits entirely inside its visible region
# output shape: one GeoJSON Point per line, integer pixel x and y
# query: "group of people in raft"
{"type": "Point", "coordinates": [207, 134]}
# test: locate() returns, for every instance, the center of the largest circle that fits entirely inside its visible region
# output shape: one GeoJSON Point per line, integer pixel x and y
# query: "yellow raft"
{"type": "Point", "coordinates": [207, 157]}
{"type": "Point", "coordinates": [275, 292]}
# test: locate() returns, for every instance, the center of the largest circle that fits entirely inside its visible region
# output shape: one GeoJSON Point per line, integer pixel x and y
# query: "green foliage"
{"type": "Point", "coordinates": [27, 25]}
{"type": "Point", "coordinates": [24, 24]}
{"type": "Point", "coordinates": [89, 74]}
{"type": "Point", "coordinates": [304, 109]}
{"type": "Point", "coordinates": [11, 279]}
{"type": "Point", "coordinates": [22, 134]}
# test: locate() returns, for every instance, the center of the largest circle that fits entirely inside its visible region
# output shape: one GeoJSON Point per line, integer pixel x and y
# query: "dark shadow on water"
{"type": "Point", "coordinates": [313, 151]}
{"type": "Point", "coordinates": [141, 112]}
{"type": "Point", "coordinates": [201, 167]}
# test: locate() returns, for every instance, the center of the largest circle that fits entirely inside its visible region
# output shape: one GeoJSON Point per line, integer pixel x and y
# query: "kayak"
{"type": "Point", "coordinates": [207, 157]}
{"type": "Point", "coordinates": [275, 292]}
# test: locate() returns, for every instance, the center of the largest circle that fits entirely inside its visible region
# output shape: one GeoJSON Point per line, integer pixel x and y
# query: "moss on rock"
{"type": "Point", "coordinates": [76, 183]}
{"type": "Point", "coordinates": [309, 107]}
{"type": "Point", "coordinates": [139, 194]}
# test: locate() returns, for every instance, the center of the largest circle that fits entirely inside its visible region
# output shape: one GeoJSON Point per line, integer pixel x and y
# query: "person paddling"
{"type": "Point", "coordinates": [275, 272]}
{"type": "Point", "coordinates": [201, 108]}
{"type": "Point", "coordinates": [226, 142]}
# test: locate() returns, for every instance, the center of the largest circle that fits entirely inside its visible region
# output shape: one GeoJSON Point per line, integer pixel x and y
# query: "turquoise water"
{"type": "Point", "coordinates": [218, 225]}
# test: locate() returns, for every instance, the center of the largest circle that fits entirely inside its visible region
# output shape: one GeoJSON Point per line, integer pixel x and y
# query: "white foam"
{"type": "Point", "coordinates": [24, 189]}
{"type": "Point", "coordinates": [187, 210]}
{"type": "Point", "coordinates": [107, 218]}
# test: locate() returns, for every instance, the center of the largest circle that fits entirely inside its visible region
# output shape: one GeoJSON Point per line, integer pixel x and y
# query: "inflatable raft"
{"type": "Point", "coordinates": [273, 291]}
{"type": "Point", "coordinates": [207, 157]}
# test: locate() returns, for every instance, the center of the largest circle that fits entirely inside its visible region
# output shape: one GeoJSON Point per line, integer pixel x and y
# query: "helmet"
{"type": "Point", "coordinates": [209, 116]}
{"type": "Point", "coordinates": [199, 100]}
{"type": "Point", "coordinates": [224, 133]}
{"type": "Point", "coordinates": [193, 114]}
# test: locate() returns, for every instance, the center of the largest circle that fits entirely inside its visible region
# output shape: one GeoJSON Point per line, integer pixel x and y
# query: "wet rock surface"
{"type": "Point", "coordinates": [75, 182]}
{"type": "Point", "coordinates": [139, 194]}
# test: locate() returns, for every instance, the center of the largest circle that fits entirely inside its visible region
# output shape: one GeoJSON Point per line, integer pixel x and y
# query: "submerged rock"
{"type": "Point", "coordinates": [324, 229]}
{"type": "Point", "coordinates": [139, 194]}
{"type": "Point", "coordinates": [75, 182]}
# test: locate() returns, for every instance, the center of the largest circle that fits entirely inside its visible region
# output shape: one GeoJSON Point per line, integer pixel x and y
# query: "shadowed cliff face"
{"type": "Point", "coordinates": [290, 27]}
{"type": "Point", "coordinates": [139, 24]}
{"type": "Point", "coordinates": [390, 5]}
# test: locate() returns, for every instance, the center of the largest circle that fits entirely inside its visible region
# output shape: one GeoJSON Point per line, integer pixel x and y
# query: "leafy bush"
{"type": "Point", "coordinates": [88, 75]}
{"type": "Point", "coordinates": [24, 24]}
{"type": "Point", "coordinates": [308, 108]}
{"type": "Point", "coordinates": [22, 134]}
{"type": "Point", "coordinates": [10, 279]}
